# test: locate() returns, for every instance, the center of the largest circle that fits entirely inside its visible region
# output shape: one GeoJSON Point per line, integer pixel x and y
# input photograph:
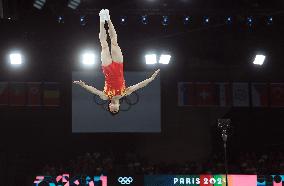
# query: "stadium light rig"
{"type": "Point", "coordinates": [165, 59]}
{"type": "Point", "coordinates": [249, 21]}
{"type": "Point", "coordinates": [83, 21]}
{"type": "Point", "coordinates": [229, 20]}
{"type": "Point", "coordinates": [186, 20]}
{"type": "Point", "coordinates": [15, 58]}
{"type": "Point", "coordinates": [165, 21]}
{"type": "Point", "coordinates": [39, 4]}
{"type": "Point", "coordinates": [144, 19]}
{"type": "Point", "coordinates": [259, 59]}
{"type": "Point", "coordinates": [206, 20]}
{"type": "Point", "coordinates": [60, 19]}
{"type": "Point", "coordinates": [151, 59]}
{"type": "Point", "coordinates": [269, 20]}
{"type": "Point", "coordinates": [123, 20]}
{"type": "Point", "coordinates": [88, 58]}
{"type": "Point", "coordinates": [73, 4]}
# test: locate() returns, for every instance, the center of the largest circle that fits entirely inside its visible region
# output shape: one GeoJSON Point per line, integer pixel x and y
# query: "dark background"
{"type": "Point", "coordinates": [213, 52]}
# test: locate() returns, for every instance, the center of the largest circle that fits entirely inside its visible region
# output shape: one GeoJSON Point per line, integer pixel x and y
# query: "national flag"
{"type": "Point", "coordinates": [17, 96]}
{"type": "Point", "coordinates": [277, 94]}
{"type": "Point", "coordinates": [224, 94]}
{"type": "Point", "coordinates": [240, 94]}
{"type": "Point", "coordinates": [205, 94]}
{"type": "Point", "coordinates": [4, 93]}
{"type": "Point", "coordinates": [51, 94]}
{"type": "Point", "coordinates": [186, 94]}
{"type": "Point", "coordinates": [34, 94]}
{"type": "Point", "coordinates": [259, 94]}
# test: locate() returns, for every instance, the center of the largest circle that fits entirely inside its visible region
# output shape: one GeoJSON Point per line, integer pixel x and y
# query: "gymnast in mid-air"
{"type": "Point", "coordinates": [112, 67]}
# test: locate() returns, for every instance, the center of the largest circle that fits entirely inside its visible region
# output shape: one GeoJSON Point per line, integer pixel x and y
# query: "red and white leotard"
{"type": "Point", "coordinates": [114, 80]}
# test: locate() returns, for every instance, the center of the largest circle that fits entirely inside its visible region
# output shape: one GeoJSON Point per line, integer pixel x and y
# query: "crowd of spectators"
{"type": "Point", "coordinates": [131, 163]}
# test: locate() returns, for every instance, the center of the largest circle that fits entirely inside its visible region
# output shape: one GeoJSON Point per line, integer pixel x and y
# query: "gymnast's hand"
{"type": "Point", "coordinates": [155, 74]}
{"type": "Point", "coordinates": [81, 83]}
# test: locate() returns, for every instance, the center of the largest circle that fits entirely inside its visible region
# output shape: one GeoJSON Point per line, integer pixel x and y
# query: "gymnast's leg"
{"type": "Point", "coordinates": [105, 55]}
{"type": "Point", "coordinates": [116, 53]}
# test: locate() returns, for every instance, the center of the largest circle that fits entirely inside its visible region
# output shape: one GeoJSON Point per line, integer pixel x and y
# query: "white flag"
{"type": "Point", "coordinates": [240, 95]}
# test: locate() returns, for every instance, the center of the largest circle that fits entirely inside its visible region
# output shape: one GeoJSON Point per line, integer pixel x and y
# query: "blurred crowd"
{"type": "Point", "coordinates": [131, 163]}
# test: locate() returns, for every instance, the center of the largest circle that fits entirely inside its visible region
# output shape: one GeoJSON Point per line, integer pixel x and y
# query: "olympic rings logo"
{"type": "Point", "coordinates": [125, 180]}
{"type": "Point", "coordinates": [125, 102]}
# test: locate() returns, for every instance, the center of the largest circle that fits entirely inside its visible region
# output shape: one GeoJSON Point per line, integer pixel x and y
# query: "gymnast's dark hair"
{"type": "Point", "coordinates": [112, 113]}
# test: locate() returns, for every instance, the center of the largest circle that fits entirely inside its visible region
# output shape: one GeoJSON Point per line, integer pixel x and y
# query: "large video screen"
{"type": "Point", "coordinates": [139, 112]}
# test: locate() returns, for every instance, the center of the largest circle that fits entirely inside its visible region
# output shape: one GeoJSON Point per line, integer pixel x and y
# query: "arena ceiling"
{"type": "Point", "coordinates": [20, 8]}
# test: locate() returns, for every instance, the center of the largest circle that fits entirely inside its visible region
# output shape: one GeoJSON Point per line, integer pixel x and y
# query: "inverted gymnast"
{"type": "Point", "coordinates": [112, 67]}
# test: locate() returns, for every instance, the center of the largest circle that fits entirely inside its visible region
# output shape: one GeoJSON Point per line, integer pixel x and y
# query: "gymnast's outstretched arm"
{"type": "Point", "coordinates": [142, 84]}
{"type": "Point", "coordinates": [91, 89]}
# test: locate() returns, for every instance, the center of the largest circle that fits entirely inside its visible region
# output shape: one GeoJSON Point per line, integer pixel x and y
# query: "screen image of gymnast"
{"type": "Point", "coordinates": [112, 67]}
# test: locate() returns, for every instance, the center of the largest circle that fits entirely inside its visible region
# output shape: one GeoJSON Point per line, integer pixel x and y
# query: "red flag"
{"type": "Point", "coordinates": [259, 93]}
{"type": "Point", "coordinates": [34, 94]}
{"type": "Point", "coordinates": [205, 94]}
{"type": "Point", "coordinates": [224, 94]}
{"type": "Point", "coordinates": [17, 94]}
{"type": "Point", "coordinates": [186, 94]}
{"type": "Point", "coordinates": [277, 94]}
{"type": "Point", "coordinates": [51, 94]}
{"type": "Point", "coordinates": [4, 93]}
